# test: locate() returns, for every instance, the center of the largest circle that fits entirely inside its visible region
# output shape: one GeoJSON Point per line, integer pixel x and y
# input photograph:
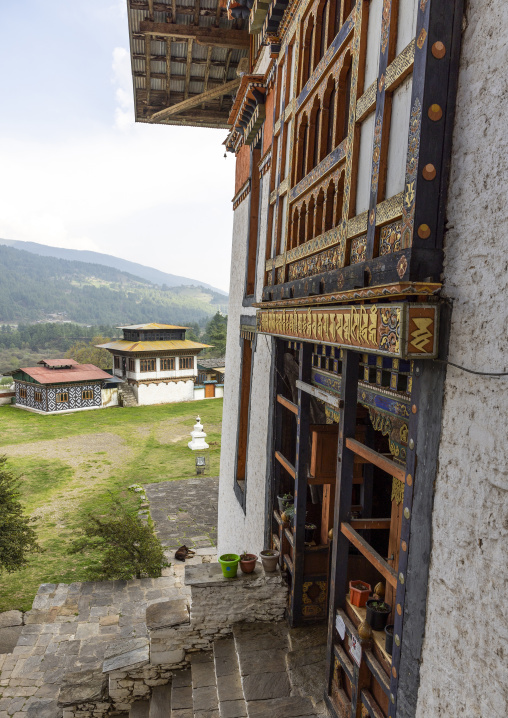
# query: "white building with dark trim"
{"type": "Point", "coordinates": [62, 385]}
{"type": "Point", "coordinates": [157, 362]}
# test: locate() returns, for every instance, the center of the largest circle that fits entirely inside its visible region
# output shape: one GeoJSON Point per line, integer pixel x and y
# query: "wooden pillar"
{"type": "Point", "coordinates": [343, 496]}
{"type": "Point", "coordinates": [301, 466]}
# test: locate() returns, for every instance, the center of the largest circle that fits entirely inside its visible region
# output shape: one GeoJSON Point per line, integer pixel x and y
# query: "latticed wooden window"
{"type": "Point", "coordinates": [22, 392]}
{"type": "Point", "coordinates": [62, 396]}
{"type": "Point", "coordinates": [167, 364]}
{"type": "Point", "coordinates": [38, 396]}
{"type": "Point", "coordinates": [186, 362]}
{"type": "Point", "coordinates": [148, 364]}
{"type": "Point", "coordinates": [132, 365]}
{"type": "Point", "coordinates": [87, 394]}
{"type": "Point", "coordinates": [118, 364]}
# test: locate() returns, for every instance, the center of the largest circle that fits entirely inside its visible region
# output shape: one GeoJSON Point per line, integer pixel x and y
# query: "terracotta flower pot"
{"type": "Point", "coordinates": [359, 592]}
{"type": "Point", "coordinates": [270, 559]}
{"type": "Point", "coordinates": [248, 562]}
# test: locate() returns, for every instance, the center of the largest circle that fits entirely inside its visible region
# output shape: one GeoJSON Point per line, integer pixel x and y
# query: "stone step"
{"type": "Point", "coordinates": [160, 702]}
{"type": "Point", "coordinates": [181, 694]}
{"type": "Point", "coordinates": [140, 709]}
{"type": "Point", "coordinates": [262, 649]}
{"type": "Point", "coordinates": [229, 682]}
{"type": "Point", "coordinates": [205, 700]}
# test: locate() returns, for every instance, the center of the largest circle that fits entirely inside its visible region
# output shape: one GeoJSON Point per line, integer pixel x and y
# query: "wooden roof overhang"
{"type": "Point", "coordinates": [248, 112]}
{"type": "Point", "coordinates": [184, 61]}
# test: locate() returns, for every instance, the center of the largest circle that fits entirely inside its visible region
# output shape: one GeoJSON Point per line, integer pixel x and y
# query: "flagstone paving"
{"type": "Point", "coordinates": [185, 512]}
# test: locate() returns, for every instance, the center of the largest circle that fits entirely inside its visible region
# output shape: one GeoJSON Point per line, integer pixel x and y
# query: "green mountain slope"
{"type": "Point", "coordinates": [155, 276]}
{"type": "Point", "coordinates": [37, 288]}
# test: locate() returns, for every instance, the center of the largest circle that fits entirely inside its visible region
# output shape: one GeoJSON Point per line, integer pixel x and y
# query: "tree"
{"type": "Point", "coordinates": [128, 548]}
{"type": "Point", "coordinates": [215, 333]}
{"type": "Point", "coordinates": [89, 353]}
{"type": "Point", "coordinates": [18, 538]}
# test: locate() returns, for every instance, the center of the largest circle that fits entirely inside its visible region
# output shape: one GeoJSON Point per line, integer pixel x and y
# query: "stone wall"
{"type": "Point", "coordinates": [464, 665]}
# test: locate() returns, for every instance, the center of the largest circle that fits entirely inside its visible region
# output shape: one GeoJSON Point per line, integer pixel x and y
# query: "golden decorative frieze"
{"type": "Point", "coordinates": [357, 225]}
{"type": "Point", "coordinates": [283, 187]}
{"type": "Point", "coordinates": [241, 194]}
{"type": "Point", "coordinates": [366, 103]}
{"type": "Point", "coordinates": [273, 196]}
{"type": "Point", "coordinates": [289, 110]}
{"type": "Point", "coordinates": [400, 67]}
{"type": "Point", "coordinates": [389, 210]}
{"type": "Point", "coordinates": [398, 330]}
{"type": "Point", "coordinates": [399, 289]}
{"type": "Point", "coordinates": [328, 239]}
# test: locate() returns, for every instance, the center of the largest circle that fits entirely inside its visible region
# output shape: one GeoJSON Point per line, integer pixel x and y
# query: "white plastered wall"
{"type": "Point", "coordinates": [162, 393]}
{"type": "Point", "coordinates": [238, 531]}
{"type": "Point", "coordinates": [464, 669]}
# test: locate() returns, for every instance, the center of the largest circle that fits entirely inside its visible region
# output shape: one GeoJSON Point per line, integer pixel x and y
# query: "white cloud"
{"type": "Point", "coordinates": [124, 111]}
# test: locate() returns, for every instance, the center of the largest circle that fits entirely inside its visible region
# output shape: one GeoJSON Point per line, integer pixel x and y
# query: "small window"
{"type": "Point", "coordinates": [118, 364]}
{"type": "Point", "coordinates": [147, 364]}
{"type": "Point", "coordinates": [22, 392]}
{"type": "Point", "coordinates": [167, 364]}
{"type": "Point", "coordinates": [38, 395]}
{"type": "Point", "coordinates": [62, 397]}
{"type": "Point", "coordinates": [87, 394]}
{"type": "Point", "coordinates": [186, 362]}
{"type": "Point", "coordinates": [132, 365]}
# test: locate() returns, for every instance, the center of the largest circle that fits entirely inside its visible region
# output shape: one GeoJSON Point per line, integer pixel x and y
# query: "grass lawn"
{"type": "Point", "coordinates": [70, 462]}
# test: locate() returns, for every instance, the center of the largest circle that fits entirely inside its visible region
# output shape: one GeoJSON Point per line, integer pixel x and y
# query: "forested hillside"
{"type": "Point", "coordinates": [35, 288]}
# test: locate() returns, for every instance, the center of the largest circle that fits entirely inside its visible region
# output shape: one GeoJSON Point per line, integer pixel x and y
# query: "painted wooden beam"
{"type": "Point", "coordinates": [370, 554]}
{"type": "Point", "coordinates": [377, 459]}
{"type": "Point", "coordinates": [288, 404]}
{"type": "Point", "coordinates": [215, 36]}
{"type": "Point", "coordinates": [286, 464]}
{"type": "Point", "coordinates": [191, 102]}
{"type": "Point", "coordinates": [321, 394]}
{"type": "Point", "coordinates": [190, 42]}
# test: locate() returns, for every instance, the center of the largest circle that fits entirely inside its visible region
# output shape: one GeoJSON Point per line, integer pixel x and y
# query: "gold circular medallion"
{"type": "Point", "coordinates": [409, 480]}
{"type": "Point", "coordinates": [438, 50]}
{"type": "Point", "coordinates": [424, 231]}
{"type": "Point", "coordinates": [435, 112]}
{"type": "Point", "coordinates": [404, 546]}
{"type": "Point", "coordinates": [429, 172]}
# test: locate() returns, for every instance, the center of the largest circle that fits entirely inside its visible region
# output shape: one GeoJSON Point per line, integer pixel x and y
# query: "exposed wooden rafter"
{"type": "Point", "coordinates": [150, 9]}
{"type": "Point", "coordinates": [207, 71]}
{"type": "Point", "coordinates": [196, 11]}
{"type": "Point", "coordinates": [226, 71]}
{"type": "Point", "coordinates": [148, 53]}
{"type": "Point", "coordinates": [168, 69]}
{"type": "Point", "coordinates": [174, 58]}
{"type": "Point", "coordinates": [188, 67]}
{"type": "Point", "coordinates": [215, 36]}
{"type": "Point", "coordinates": [191, 102]}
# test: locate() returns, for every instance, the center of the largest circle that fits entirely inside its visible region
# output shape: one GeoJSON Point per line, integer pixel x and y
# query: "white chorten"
{"type": "Point", "coordinates": [198, 437]}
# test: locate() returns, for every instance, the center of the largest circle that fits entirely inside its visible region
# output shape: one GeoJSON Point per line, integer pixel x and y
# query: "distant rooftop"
{"type": "Point", "coordinates": [71, 371]}
{"type": "Point", "coordinates": [58, 363]}
{"type": "Point", "coordinates": [160, 345]}
{"type": "Point", "coordinates": [152, 325]}
{"type": "Point", "coordinates": [217, 363]}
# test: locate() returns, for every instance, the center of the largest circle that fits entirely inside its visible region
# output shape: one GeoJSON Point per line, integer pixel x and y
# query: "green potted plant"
{"type": "Point", "coordinates": [309, 532]}
{"type": "Point", "coordinates": [248, 562]}
{"type": "Point", "coordinates": [288, 515]}
{"type": "Point", "coordinates": [270, 558]}
{"type": "Point", "coordinates": [377, 614]}
{"type": "Point", "coordinates": [229, 564]}
{"type": "Point", "coordinates": [359, 592]}
{"type": "Point", "coordinates": [284, 501]}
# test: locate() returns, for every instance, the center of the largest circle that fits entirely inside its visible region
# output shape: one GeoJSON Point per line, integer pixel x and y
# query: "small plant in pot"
{"type": "Point", "coordinates": [309, 532]}
{"type": "Point", "coordinates": [288, 515]}
{"type": "Point", "coordinates": [229, 564]}
{"type": "Point", "coordinates": [248, 562]}
{"type": "Point", "coordinates": [270, 559]}
{"type": "Point", "coordinates": [389, 638]}
{"type": "Point", "coordinates": [377, 614]}
{"type": "Point", "coordinates": [359, 592]}
{"type": "Point", "coordinates": [284, 501]}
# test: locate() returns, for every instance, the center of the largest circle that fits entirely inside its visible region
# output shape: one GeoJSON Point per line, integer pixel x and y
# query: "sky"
{"type": "Point", "coordinates": [76, 171]}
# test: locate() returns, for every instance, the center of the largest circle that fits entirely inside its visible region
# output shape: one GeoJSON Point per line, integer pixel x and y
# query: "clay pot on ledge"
{"type": "Point", "coordinates": [270, 559]}
{"type": "Point", "coordinates": [377, 614]}
{"type": "Point", "coordinates": [248, 562]}
{"type": "Point", "coordinates": [359, 593]}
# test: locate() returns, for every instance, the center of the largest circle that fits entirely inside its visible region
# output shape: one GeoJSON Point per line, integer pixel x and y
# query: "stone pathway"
{"type": "Point", "coordinates": [185, 512]}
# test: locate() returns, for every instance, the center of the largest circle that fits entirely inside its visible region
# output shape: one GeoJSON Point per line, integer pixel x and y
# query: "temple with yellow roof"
{"type": "Point", "coordinates": [157, 363]}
